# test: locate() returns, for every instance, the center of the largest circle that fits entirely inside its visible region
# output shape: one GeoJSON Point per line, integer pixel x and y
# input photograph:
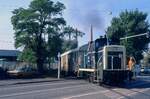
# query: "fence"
{"type": "Point", "coordinates": [11, 65]}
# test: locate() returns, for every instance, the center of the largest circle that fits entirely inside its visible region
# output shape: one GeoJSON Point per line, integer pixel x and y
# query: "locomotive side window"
{"type": "Point", "coordinates": [90, 60]}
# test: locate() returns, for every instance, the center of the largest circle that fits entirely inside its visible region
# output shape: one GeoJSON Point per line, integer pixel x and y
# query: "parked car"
{"type": "Point", "coordinates": [145, 70]}
{"type": "Point", "coordinates": [23, 71]}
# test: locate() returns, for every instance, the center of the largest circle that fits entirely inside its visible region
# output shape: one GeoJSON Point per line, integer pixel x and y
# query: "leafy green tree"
{"type": "Point", "coordinates": [127, 24]}
{"type": "Point", "coordinates": [37, 28]}
{"type": "Point", "coordinates": [28, 56]}
{"type": "Point", "coordinates": [146, 59]}
{"type": "Point", "coordinates": [68, 31]}
{"type": "Point", "coordinates": [72, 41]}
{"type": "Point", "coordinates": [72, 33]}
{"type": "Point", "coordinates": [68, 45]}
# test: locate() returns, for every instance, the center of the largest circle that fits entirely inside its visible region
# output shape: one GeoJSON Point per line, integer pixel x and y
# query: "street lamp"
{"type": "Point", "coordinates": [107, 38]}
{"type": "Point", "coordinates": [59, 63]}
{"type": "Point", "coordinates": [138, 35]}
{"type": "Point", "coordinates": [109, 13]}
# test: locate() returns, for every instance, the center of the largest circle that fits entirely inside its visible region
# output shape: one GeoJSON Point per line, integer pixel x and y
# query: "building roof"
{"type": "Point", "coordinates": [9, 53]}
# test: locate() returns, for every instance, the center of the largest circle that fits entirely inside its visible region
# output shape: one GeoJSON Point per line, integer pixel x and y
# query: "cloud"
{"type": "Point", "coordinates": [82, 14]}
{"type": "Point", "coordinates": [87, 12]}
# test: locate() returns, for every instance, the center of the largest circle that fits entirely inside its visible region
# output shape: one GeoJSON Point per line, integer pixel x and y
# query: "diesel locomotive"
{"type": "Point", "coordinates": [96, 61]}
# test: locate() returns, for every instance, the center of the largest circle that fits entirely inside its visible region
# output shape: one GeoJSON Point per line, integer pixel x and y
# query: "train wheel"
{"type": "Point", "coordinates": [100, 82]}
{"type": "Point", "coordinates": [91, 78]}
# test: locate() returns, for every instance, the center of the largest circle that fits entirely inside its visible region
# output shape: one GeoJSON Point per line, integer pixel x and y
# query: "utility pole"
{"type": "Point", "coordinates": [77, 37]}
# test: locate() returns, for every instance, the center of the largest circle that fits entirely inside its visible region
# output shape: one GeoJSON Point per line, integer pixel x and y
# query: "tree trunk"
{"type": "Point", "coordinates": [39, 54]}
{"type": "Point", "coordinates": [49, 63]}
{"type": "Point", "coordinates": [40, 65]}
{"type": "Point", "coordinates": [69, 37]}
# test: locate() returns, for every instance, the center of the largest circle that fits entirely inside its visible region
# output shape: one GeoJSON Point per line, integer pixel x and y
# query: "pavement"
{"type": "Point", "coordinates": [52, 88]}
{"type": "Point", "coordinates": [25, 81]}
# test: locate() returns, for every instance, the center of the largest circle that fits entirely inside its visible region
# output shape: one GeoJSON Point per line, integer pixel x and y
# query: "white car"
{"type": "Point", "coordinates": [23, 71]}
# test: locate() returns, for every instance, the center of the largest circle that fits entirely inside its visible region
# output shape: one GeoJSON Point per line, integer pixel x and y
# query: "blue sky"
{"type": "Point", "coordinates": [79, 14]}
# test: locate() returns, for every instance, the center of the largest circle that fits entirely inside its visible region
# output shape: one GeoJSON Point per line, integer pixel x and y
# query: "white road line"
{"type": "Point", "coordinates": [26, 86]}
{"type": "Point", "coordinates": [86, 94]}
{"type": "Point", "coordinates": [39, 91]}
{"type": "Point", "coordinates": [133, 93]}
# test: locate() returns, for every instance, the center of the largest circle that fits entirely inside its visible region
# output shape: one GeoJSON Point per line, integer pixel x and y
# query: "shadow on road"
{"type": "Point", "coordinates": [137, 86]}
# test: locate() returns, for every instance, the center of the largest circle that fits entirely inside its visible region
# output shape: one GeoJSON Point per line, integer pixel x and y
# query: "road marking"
{"type": "Point", "coordinates": [61, 83]}
{"type": "Point", "coordinates": [86, 94]}
{"type": "Point", "coordinates": [39, 91]}
{"type": "Point", "coordinates": [130, 94]}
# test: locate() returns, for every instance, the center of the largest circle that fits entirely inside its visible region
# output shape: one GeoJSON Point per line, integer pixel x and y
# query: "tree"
{"type": "Point", "coordinates": [37, 28]}
{"type": "Point", "coordinates": [146, 59]}
{"type": "Point", "coordinates": [28, 56]}
{"type": "Point", "coordinates": [72, 33]}
{"type": "Point", "coordinates": [72, 41]}
{"type": "Point", "coordinates": [68, 45]}
{"type": "Point", "coordinates": [130, 23]}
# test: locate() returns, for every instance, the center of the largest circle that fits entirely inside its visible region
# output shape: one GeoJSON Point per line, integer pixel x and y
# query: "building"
{"type": "Point", "coordinates": [9, 55]}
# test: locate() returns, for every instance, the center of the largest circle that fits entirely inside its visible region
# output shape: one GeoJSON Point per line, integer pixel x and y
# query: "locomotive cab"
{"type": "Point", "coordinates": [111, 66]}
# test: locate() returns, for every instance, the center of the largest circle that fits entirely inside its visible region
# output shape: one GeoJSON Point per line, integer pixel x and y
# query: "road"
{"type": "Point", "coordinates": [76, 89]}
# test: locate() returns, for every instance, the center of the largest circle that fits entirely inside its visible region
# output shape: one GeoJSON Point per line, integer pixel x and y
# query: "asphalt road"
{"type": "Point", "coordinates": [76, 89]}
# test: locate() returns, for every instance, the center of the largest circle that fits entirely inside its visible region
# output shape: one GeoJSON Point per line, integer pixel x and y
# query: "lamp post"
{"type": "Point", "coordinates": [110, 14]}
{"type": "Point", "coordinates": [107, 38]}
{"type": "Point", "coordinates": [59, 63]}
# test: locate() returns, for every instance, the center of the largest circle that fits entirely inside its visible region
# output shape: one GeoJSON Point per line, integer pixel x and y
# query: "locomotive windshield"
{"type": "Point", "coordinates": [114, 60]}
